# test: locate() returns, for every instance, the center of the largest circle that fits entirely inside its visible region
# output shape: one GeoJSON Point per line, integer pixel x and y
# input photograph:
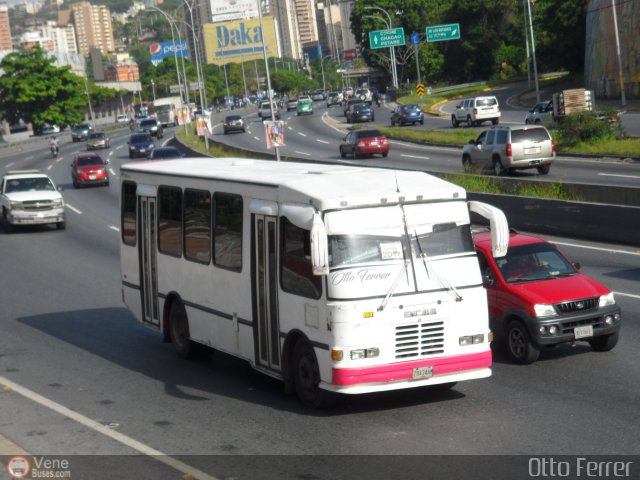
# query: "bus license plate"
{"type": "Point", "coordinates": [583, 332]}
{"type": "Point", "coordinates": [422, 372]}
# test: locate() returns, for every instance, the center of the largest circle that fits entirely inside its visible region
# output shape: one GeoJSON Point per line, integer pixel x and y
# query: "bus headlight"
{"type": "Point", "coordinates": [361, 353]}
{"type": "Point", "coordinates": [471, 340]}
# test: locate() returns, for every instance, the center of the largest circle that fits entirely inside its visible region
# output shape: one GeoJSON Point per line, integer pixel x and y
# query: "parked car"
{"type": "Point", "coordinates": [89, 169]}
{"type": "Point", "coordinates": [360, 112]}
{"type": "Point", "coordinates": [404, 114]}
{"type": "Point", "coordinates": [359, 143]}
{"type": "Point", "coordinates": [539, 298]}
{"type": "Point", "coordinates": [81, 131]}
{"type": "Point", "coordinates": [292, 104]}
{"type": "Point", "coordinates": [28, 197]}
{"type": "Point", "coordinates": [233, 123]}
{"type": "Point", "coordinates": [475, 111]}
{"type": "Point", "coordinates": [153, 126]}
{"type": "Point", "coordinates": [541, 113]}
{"type": "Point", "coordinates": [122, 118]}
{"type": "Point", "coordinates": [164, 153]}
{"type": "Point", "coordinates": [304, 108]}
{"type": "Point", "coordinates": [507, 148]}
{"type": "Point", "coordinates": [334, 98]}
{"type": "Point", "coordinates": [98, 140]}
{"type": "Point", "coordinates": [140, 144]}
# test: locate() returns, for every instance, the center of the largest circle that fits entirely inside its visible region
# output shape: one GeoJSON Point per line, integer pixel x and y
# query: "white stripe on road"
{"type": "Point", "coordinates": [119, 147]}
{"type": "Point", "coordinates": [289, 127]}
{"type": "Point", "coordinates": [49, 167]}
{"type": "Point", "coordinates": [70, 207]}
{"type": "Point", "coordinates": [112, 172]}
{"type": "Point", "coordinates": [322, 141]}
{"type": "Point", "coordinates": [114, 228]}
{"type": "Point", "coordinates": [256, 138]}
{"type": "Point", "coordinates": [9, 165]}
{"type": "Point", "coordinates": [302, 134]}
{"type": "Point", "coordinates": [106, 431]}
{"type": "Point", "coordinates": [617, 175]}
{"type": "Point", "coordinates": [302, 153]}
{"type": "Point", "coordinates": [627, 295]}
{"type": "Point", "coordinates": [30, 157]}
{"type": "Point", "coordinates": [415, 156]}
{"type": "Point", "coordinates": [601, 249]}
{"type": "Point", "coordinates": [59, 159]}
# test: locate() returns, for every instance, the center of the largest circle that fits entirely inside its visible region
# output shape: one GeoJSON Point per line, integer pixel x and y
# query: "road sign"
{"type": "Point", "coordinates": [439, 33]}
{"type": "Point", "coordinates": [174, 88]}
{"type": "Point", "coordinates": [195, 85]}
{"type": "Point", "coordinates": [393, 37]}
{"type": "Point", "coordinates": [415, 38]}
{"type": "Point", "coordinates": [420, 89]}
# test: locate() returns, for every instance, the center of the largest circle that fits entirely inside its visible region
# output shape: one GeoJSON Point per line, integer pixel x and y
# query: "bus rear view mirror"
{"type": "Point", "coordinates": [319, 247]}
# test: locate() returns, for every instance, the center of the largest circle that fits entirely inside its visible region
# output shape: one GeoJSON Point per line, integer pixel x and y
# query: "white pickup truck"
{"type": "Point", "coordinates": [28, 197]}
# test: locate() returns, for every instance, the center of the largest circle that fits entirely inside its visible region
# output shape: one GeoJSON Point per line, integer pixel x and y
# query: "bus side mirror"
{"type": "Point", "coordinates": [319, 247]}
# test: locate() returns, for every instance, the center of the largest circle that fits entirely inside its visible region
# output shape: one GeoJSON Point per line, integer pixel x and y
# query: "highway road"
{"type": "Point", "coordinates": [318, 136]}
{"type": "Point", "coordinates": [80, 376]}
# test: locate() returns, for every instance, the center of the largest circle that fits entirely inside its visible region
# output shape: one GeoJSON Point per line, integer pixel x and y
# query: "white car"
{"type": "Point", "coordinates": [122, 119]}
{"type": "Point", "coordinates": [50, 129]}
{"type": "Point", "coordinates": [474, 111]}
{"type": "Point", "coordinates": [363, 94]}
{"type": "Point", "coordinates": [28, 197]}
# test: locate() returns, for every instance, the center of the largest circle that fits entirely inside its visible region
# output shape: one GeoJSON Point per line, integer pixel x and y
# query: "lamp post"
{"type": "Point", "coordinates": [533, 53]}
{"type": "Point", "coordinates": [391, 49]}
{"type": "Point", "coordinates": [86, 89]}
{"type": "Point", "coordinates": [394, 79]}
{"type": "Point", "coordinates": [196, 53]}
{"type": "Point", "coordinates": [153, 90]}
{"type": "Point", "coordinates": [623, 99]}
{"type": "Point", "coordinates": [266, 66]}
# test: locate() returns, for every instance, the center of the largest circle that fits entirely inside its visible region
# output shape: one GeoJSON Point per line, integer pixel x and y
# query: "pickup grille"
{"type": "Point", "coordinates": [584, 305]}
{"type": "Point", "coordinates": [37, 205]}
{"type": "Point", "coordinates": [419, 339]}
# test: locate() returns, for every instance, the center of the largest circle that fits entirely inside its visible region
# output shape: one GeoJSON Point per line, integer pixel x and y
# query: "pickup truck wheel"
{"type": "Point", "coordinates": [454, 121]}
{"type": "Point", "coordinates": [466, 163]}
{"type": "Point", "coordinates": [469, 121]}
{"type": "Point", "coordinates": [519, 346]}
{"type": "Point", "coordinates": [544, 169]}
{"type": "Point", "coordinates": [604, 343]}
{"type": "Point", "coordinates": [8, 228]}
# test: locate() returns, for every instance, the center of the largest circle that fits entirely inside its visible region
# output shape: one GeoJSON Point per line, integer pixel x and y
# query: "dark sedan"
{"type": "Point", "coordinates": [359, 143]}
{"type": "Point", "coordinates": [404, 114]}
{"type": "Point", "coordinates": [349, 105]}
{"type": "Point", "coordinates": [152, 126]}
{"type": "Point", "coordinates": [140, 144]}
{"type": "Point", "coordinates": [233, 123]}
{"type": "Point", "coordinates": [361, 112]}
{"type": "Point", "coordinates": [165, 153]}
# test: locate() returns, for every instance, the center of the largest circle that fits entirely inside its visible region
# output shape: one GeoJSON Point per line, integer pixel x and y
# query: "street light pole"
{"type": "Point", "coordinates": [93, 119]}
{"type": "Point", "coordinates": [533, 53]}
{"type": "Point", "coordinates": [621, 78]}
{"type": "Point", "coordinates": [153, 90]}
{"type": "Point", "coordinates": [266, 66]}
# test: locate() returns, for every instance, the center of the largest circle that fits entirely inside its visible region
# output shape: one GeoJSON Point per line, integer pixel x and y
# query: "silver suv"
{"type": "Point", "coordinates": [507, 148]}
{"type": "Point", "coordinates": [474, 111]}
{"type": "Point", "coordinates": [541, 113]}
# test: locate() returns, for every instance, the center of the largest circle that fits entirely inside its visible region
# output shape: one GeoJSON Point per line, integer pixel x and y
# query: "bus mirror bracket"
{"type": "Point", "coordinates": [498, 225]}
{"type": "Point", "coordinates": [319, 246]}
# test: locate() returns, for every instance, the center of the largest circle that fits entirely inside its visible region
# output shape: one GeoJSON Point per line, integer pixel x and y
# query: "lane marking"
{"type": "Point", "coordinates": [106, 431]}
{"type": "Point", "coordinates": [323, 141]}
{"type": "Point", "coordinates": [114, 228]}
{"type": "Point", "coordinates": [112, 172]}
{"type": "Point", "coordinates": [9, 165]}
{"type": "Point", "coordinates": [31, 157]}
{"type": "Point", "coordinates": [256, 138]}
{"type": "Point", "coordinates": [627, 295]}
{"type": "Point", "coordinates": [59, 159]}
{"type": "Point", "coordinates": [70, 207]}
{"type": "Point", "coordinates": [49, 167]}
{"type": "Point", "coordinates": [302, 134]}
{"type": "Point", "coordinates": [618, 175]}
{"type": "Point", "coordinates": [600, 249]}
{"type": "Point", "coordinates": [302, 153]}
{"type": "Point", "coordinates": [290, 128]}
{"type": "Point", "coordinates": [415, 156]}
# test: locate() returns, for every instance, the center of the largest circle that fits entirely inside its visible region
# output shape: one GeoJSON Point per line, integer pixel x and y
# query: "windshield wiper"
{"type": "Point", "coordinates": [443, 282]}
{"type": "Point", "coordinates": [394, 285]}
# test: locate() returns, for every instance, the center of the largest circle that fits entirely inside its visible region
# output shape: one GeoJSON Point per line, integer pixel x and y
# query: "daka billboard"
{"type": "Point", "coordinates": [239, 40]}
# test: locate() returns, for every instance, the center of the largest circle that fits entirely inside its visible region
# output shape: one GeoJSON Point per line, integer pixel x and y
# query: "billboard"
{"type": "Point", "coordinates": [239, 40]}
{"type": "Point", "coordinates": [225, 10]}
{"type": "Point", "coordinates": [314, 52]}
{"type": "Point", "coordinates": [161, 50]}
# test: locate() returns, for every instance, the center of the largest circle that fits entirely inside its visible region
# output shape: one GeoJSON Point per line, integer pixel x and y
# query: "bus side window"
{"type": "Point", "coordinates": [128, 213]}
{"type": "Point", "coordinates": [296, 270]}
{"type": "Point", "coordinates": [170, 221]}
{"type": "Point", "coordinates": [227, 231]}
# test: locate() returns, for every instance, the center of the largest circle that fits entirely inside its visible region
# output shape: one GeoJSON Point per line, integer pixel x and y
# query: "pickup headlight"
{"type": "Point", "coordinates": [607, 299]}
{"type": "Point", "coordinates": [59, 203]}
{"type": "Point", "coordinates": [15, 204]}
{"type": "Point", "coordinates": [543, 310]}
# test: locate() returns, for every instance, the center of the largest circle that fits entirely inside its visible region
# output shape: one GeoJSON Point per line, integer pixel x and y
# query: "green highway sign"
{"type": "Point", "coordinates": [439, 33]}
{"type": "Point", "coordinates": [393, 37]}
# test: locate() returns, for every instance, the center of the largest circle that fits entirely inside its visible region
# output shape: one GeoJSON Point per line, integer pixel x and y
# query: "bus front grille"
{"type": "Point", "coordinates": [419, 339]}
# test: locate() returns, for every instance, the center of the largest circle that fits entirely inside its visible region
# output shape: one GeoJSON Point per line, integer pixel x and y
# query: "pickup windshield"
{"type": "Point", "coordinates": [29, 185]}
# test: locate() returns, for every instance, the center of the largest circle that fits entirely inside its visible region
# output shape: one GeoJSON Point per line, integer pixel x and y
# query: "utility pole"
{"type": "Point", "coordinates": [623, 98]}
{"type": "Point", "coordinates": [533, 52]}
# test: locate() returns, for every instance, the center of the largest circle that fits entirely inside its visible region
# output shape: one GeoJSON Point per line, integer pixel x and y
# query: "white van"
{"type": "Point", "coordinates": [265, 111]}
{"type": "Point", "coordinates": [474, 111]}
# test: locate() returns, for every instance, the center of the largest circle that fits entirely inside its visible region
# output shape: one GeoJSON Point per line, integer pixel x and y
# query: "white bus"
{"type": "Point", "coordinates": [334, 279]}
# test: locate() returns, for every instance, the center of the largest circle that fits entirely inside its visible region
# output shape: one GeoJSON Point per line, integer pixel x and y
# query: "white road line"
{"type": "Point", "coordinates": [106, 431]}
{"type": "Point", "coordinates": [59, 159]}
{"type": "Point", "coordinates": [618, 175]}
{"type": "Point", "coordinates": [114, 228]}
{"type": "Point", "coordinates": [49, 167]}
{"type": "Point", "coordinates": [302, 134]}
{"type": "Point", "coordinates": [119, 147]}
{"type": "Point", "coordinates": [72, 208]}
{"type": "Point", "coordinates": [9, 165]}
{"type": "Point", "coordinates": [30, 157]}
{"type": "Point", "coordinates": [601, 249]}
{"type": "Point", "coordinates": [323, 141]}
{"type": "Point", "coordinates": [256, 138]}
{"type": "Point", "coordinates": [415, 156]}
{"type": "Point", "coordinates": [627, 295]}
{"type": "Point", "coordinates": [289, 127]}
{"type": "Point", "coordinates": [303, 153]}
{"type": "Point", "coordinates": [112, 172]}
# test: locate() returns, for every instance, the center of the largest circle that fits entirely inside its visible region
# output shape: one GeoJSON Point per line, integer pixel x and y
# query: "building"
{"type": "Point", "coordinates": [93, 27]}
{"type": "Point", "coordinates": [5, 28]}
{"type": "Point", "coordinates": [306, 17]}
{"type": "Point", "coordinates": [30, 40]}
{"type": "Point", "coordinates": [122, 72]}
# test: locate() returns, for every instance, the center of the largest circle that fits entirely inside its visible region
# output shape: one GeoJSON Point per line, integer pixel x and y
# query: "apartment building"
{"type": "Point", "coordinates": [5, 28]}
{"type": "Point", "coordinates": [93, 27]}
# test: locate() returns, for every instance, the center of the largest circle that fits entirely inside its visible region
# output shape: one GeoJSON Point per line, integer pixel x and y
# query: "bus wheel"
{"type": "Point", "coordinates": [179, 330]}
{"type": "Point", "coordinates": [306, 378]}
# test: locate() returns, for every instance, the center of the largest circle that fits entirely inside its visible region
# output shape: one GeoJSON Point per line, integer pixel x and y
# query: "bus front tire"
{"type": "Point", "coordinates": [179, 330]}
{"type": "Point", "coordinates": [306, 378]}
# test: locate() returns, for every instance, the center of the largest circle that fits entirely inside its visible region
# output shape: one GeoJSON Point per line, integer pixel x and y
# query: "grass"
{"type": "Point", "coordinates": [459, 136]}
{"type": "Point", "coordinates": [197, 143]}
{"type": "Point", "coordinates": [626, 147]}
{"type": "Point", "coordinates": [428, 102]}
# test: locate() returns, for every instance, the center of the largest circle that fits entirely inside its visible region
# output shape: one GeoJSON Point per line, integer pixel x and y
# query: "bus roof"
{"type": "Point", "coordinates": [324, 186]}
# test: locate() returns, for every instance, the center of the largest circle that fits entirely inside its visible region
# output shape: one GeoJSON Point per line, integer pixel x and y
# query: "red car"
{"type": "Point", "coordinates": [358, 143]}
{"type": "Point", "coordinates": [89, 169]}
{"type": "Point", "coordinates": [538, 298]}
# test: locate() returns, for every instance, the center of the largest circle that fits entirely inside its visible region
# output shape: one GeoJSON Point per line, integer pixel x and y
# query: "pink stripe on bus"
{"type": "Point", "coordinates": [404, 371]}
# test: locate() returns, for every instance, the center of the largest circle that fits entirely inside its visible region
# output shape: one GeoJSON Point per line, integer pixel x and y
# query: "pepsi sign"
{"type": "Point", "coordinates": [161, 50]}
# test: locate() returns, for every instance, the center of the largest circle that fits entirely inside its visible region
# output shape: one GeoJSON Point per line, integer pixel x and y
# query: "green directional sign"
{"type": "Point", "coordinates": [387, 38]}
{"type": "Point", "coordinates": [439, 33]}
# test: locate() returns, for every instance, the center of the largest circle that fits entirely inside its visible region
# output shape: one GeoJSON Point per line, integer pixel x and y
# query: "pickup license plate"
{"type": "Point", "coordinates": [422, 372]}
{"type": "Point", "coordinates": [583, 332]}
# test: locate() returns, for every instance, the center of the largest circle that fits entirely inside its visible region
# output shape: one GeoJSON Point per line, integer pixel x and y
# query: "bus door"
{"type": "Point", "coordinates": [265, 301]}
{"type": "Point", "coordinates": [148, 260]}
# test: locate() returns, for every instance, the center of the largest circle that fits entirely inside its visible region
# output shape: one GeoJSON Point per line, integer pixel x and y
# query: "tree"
{"type": "Point", "coordinates": [38, 92]}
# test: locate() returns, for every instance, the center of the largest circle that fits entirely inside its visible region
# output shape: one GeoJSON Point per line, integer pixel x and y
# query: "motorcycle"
{"type": "Point", "coordinates": [54, 151]}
